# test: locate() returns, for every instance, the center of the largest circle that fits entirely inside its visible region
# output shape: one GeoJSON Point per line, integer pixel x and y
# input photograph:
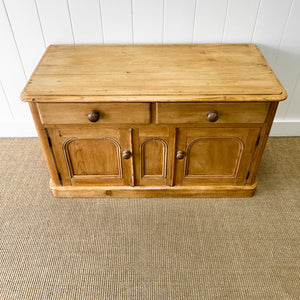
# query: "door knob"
{"type": "Point", "coordinates": [212, 116]}
{"type": "Point", "coordinates": [93, 115]}
{"type": "Point", "coordinates": [180, 154]}
{"type": "Point", "coordinates": [126, 154]}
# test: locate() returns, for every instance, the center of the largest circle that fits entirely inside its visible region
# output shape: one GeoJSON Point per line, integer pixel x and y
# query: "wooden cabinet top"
{"type": "Point", "coordinates": [183, 73]}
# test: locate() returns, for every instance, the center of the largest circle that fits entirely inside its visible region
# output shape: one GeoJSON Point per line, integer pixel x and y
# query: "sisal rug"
{"type": "Point", "coordinates": [55, 248]}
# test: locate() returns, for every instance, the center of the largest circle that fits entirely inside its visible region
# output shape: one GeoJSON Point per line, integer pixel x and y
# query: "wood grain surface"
{"type": "Point", "coordinates": [133, 70]}
{"type": "Point", "coordinates": [153, 120]}
{"type": "Point", "coordinates": [196, 113]}
{"type": "Point", "coordinates": [109, 113]}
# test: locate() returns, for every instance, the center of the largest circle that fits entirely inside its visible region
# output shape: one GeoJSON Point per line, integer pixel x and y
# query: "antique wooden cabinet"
{"type": "Point", "coordinates": [153, 120]}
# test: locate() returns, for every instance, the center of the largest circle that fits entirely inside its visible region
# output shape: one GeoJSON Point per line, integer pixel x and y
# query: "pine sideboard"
{"type": "Point", "coordinates": [153, 120]}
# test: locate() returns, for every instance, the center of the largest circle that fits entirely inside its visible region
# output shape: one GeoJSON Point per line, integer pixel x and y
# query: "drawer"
{"type": "Point", "coordinates": [94, 113]}
{"type": "Point", "coordinates": [186, 113]}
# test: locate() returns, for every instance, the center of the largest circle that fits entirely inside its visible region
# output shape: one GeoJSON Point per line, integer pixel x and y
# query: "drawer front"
{"type": "Point", "coordinates": [195, 113]}
{"type": "Point", "coordinates": [94, 113]}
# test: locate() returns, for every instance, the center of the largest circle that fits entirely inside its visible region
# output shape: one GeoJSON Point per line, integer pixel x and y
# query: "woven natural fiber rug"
{"type": "Point", "coordinates": [129, 248]}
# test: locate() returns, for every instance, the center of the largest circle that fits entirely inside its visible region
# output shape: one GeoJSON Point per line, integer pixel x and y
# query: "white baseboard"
{"type": "Point", "coordinates": [17, 129]}
{"type": "Point", "coordinates": [285, 128]}
{"type": "Point", "coordinates": [27, 129]}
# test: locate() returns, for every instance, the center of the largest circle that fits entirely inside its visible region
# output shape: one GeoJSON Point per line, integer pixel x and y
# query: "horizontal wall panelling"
{"type": "Point", "coordinates": [240, 20]}
{"type": "Point", "coordinates": [179, 17]}
{"type": "Point", "coordinates": [117, 21]}
{"type": "Point", "coordinates": [27, 31]}
{"type": "Point", "coordinates": [5, 110]}
{"type": "Point", "coordinates": [287, 65]}
{"type": "Point", "coordinates": [209, 21]}
{"type": "Point", "coordinates": [148, 21]}
{"type": "Point", "coordinates": [89, 31]}
{"type": "Point", "coordinates": [271, 22]}
{"type": "Point", "coordinates": [12, 74]}
{"type": "Point", "coordinates": [55, 20]}
{"type": "Point", "coordinates": [28, 26]}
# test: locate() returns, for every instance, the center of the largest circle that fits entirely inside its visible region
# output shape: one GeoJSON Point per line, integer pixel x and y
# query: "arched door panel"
{"type": "Point", "coordinates": [214, 155]}
{"type": "Point", "coordinates": [93, 156]}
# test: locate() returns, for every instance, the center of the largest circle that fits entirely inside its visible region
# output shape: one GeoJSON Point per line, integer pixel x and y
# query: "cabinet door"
{"type": "Point", "coordinates": [154, 150]}
{"type": "Point", "coordinates": [89, 156]}
{"type": "Point", "coordinates": [214, 155]}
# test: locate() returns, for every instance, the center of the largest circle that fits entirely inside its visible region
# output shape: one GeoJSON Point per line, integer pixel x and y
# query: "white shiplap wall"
{"type": "Point", "coordinates": [27, 27]}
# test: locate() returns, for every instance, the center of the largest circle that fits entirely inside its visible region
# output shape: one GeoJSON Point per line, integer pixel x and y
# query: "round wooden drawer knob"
{"type": "Point", "coordinates": [212, 116]}
{"type": "Point", "coordinates": [126, 154]}
{"type": "Point", "coordinates": [93, 115]}
{"type": "Point", "coordinates": [180, 154]}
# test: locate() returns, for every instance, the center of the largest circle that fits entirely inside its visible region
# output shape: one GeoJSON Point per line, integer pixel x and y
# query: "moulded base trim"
{"type": "Point", "coordinates": [216, 191]}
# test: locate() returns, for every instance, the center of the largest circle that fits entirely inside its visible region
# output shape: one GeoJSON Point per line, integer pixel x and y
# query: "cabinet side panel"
{"type": "Point", "coordinates": [262, 143]}
{"type": "Point", "coordinates": [45, 145]}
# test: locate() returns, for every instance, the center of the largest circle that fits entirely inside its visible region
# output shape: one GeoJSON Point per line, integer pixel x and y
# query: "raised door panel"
{"type": "Point", "coordinates": [205, 157]}
{"type": "Point", "coordinates": [154, 152]}
{"type": "Point", "coordinates": [215, 155]}
{"type": "Point", "coordinates": [92, 156]}
{"type": "Point", "coordinates": [154, 156]}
